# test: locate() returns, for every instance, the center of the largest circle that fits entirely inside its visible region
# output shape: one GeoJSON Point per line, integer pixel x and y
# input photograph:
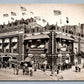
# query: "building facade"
{"type": "Point", "coordinates": [28, 41]}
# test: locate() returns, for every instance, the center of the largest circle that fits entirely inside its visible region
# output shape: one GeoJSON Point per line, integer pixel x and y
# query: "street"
{"type": "Point", "coordinates": [70, 74]}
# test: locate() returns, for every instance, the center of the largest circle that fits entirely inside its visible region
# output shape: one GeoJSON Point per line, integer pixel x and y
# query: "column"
{"type": "Point", "coordinates": [2, 45]}
{"type": "Point", "coordinates": [21, 47]}
{"type": "Point", "coordinates": [9, 45]}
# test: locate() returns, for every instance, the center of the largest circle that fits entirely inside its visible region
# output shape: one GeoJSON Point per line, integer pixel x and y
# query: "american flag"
{"type": "Point", "coordinates": [5, 15]}
{"type": "Point", "coordinates": [43, 20]}
{"type": "Point", "coordinates": [57, 12]}
{"type": "Point", "coordinates": [31, 12]}
{"type": "Point", "coordinates": [23, 13]}
{"type": "Point", "coordinates": [12, 18]}
{"type": "Point", "coordinates": [23, 8]}
{"type": "Point", "coordinates": [13, 13]}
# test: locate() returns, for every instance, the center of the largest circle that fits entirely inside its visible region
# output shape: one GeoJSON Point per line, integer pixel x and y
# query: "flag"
{"type": "Point", "coordinates": [13, 13]}
{"type": "Point", "coordinates": [23, 13]}
{"type": "Point", "coordinates": [5, 15]}
{"type": "Point", "coordinates": [43, 20]}
{"type": "Point", "coordinates": [23, 8]}
{"type": "Point", "coordinates": [31, 12]}
{"type": "Point", "coordinates": [67, 20]}
{"type": "Point", "coordinates": [12, 18]}
{"type": "Point", "coordinates": [57, 12]}
{"type": "Point", "coordinates": [37, 18]}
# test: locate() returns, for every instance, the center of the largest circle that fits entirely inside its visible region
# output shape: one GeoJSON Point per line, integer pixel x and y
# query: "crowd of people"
{"type": "Point", "coordinates": [26, 70]}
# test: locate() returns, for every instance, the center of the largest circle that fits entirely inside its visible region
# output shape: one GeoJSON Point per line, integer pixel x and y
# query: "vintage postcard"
{"type": "Point", "coordinates": [41, 42]}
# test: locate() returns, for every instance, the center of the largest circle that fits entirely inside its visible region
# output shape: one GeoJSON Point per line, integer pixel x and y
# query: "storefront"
{"type": "Point", "coordinates": [37, 47]}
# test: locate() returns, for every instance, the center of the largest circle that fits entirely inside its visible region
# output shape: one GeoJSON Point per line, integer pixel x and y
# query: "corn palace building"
{"type": "Point", "coordinates": [28, 41]}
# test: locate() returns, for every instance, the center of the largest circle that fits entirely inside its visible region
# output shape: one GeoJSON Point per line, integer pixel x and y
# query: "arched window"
{"type": "Point", "coordinates": [15, 39]}
{"type": "Point", "coordinates": [6, 40]}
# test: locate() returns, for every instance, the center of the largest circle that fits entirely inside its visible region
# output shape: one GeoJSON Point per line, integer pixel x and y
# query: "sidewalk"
{"type": "Point", "coordinates": [69, 74]}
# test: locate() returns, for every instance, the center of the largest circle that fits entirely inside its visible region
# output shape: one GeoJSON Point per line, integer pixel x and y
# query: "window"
{"type": "Point", "coordinates": [37, 44]}
{"type": "Point", "coordinates": [14, 50]}
{"type": "Point", "coordinates": [63, 30]}
{"type": "Point", "coordinates": [7, 50]}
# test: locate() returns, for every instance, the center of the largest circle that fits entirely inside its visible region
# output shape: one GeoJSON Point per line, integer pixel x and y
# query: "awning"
{"type": "Point", "coordinates": [28, 59]}
{"type": "Point", "coordinates": [15, 46]}
{"type": "Point", "coordinates": [7, 47]}
{"type": "Point", "coordinates": [59, 55]}
{"type": "Point", "coordinates": [67, 55]}
{"type": "Point", "coordinates": [0, 40]}
{"type": "Point", "coordinates": [41, 46]}
{"type": "Point", "coordinates": [43, 36]}
{"type": "Point", "coordinates": [64, 37]}
{"type": "Point", "coordinates": [45, 62]}
{"type": "Point", "coordinates": [33, 46]}
{"type": "Point", "coordinates": [63, 49]}
{"type": "Point", "coordinates": [6, 40]}
{"type": "Point", "coordinates": [15, 39]}
{"type": "Point", "coordinates": [30, 55]}
{"type": "Point", "coordinates": [0, 46]}
{"type": "Point", "coordinates": [43, 55]}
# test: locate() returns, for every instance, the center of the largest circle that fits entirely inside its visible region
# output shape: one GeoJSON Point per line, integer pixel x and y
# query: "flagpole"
{"type": "Point", "coordinates": [22, 11]}
{"type": "Point", "coordinates": [23, 58]}
{"type": "Point", "coordinates": [58, 13]}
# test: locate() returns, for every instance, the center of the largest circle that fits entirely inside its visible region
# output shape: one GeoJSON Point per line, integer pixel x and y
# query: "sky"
{"type": "Point", "coordinates": [75, 13]}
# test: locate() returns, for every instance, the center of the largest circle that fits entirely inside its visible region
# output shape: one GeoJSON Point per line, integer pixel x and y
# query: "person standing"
{"type": "Point", "coordinates": [14, 69]}
{"type": "Point", "coordinates": [57, 71]}
{"type": "Point", "coordinates": [76, 68]}
{"type": "Point", "coordinates": [27, 71]}
{"type": "Point", "coordinates": [23, 70]}
{"type": "Point", "coordinates": [17, 70]}
{"type": "Point", "coordinates": [79, 68]}
{"type": "Point", "coordinates": [31, 72]}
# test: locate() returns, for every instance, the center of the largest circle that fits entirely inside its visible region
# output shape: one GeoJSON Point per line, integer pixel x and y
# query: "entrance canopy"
{"type": "Point", "coordinates": [64, 37]}
{"type": "Point", "coordinates": [43, 36]}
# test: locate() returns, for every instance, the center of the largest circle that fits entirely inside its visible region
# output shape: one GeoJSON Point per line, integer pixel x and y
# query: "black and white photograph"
{"type": "Point", "coordinates": [41, 42]}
